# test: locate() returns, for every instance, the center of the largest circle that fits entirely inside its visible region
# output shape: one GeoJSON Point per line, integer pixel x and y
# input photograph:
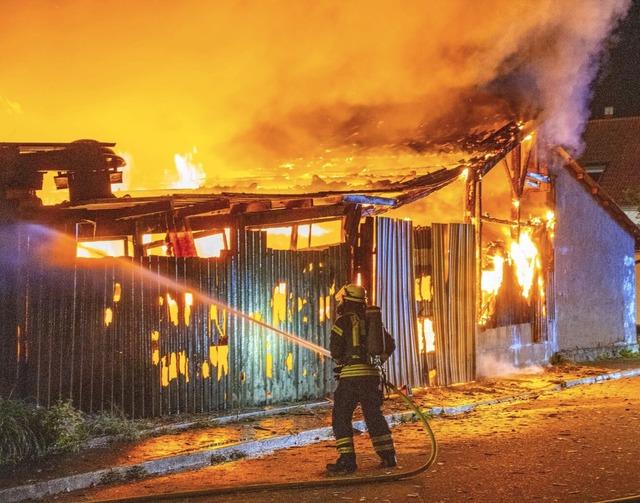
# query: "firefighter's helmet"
{"type": "Point", "coordinates": [354, 293]}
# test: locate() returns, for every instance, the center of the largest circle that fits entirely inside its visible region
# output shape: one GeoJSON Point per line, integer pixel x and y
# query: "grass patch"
{"type": "Point", "coordinates": [216, 459]}
{"type": "Point", "coordinates": [20, 435]}
{"type": "Point", "coordinates": [628, 354]}
{"type": "Point", "coordinates": [113, 424]}
{"type": "Point", "coordinates": [559, 359]}
{"type": "Point", "coordinates": [28, 431]}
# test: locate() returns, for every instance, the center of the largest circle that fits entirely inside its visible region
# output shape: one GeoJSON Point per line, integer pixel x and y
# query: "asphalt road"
{"type": "Point", "coordinates": [581, 444]}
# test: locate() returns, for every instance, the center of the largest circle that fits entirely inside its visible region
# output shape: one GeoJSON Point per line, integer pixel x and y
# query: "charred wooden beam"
{"type": "Point", "coordinates": [298, 203]}
{"type": "Point", "coordinates": [363, 253]}
{"type": "Point", "coordinates": [351, 224]}
{"type": "Point", "coordinates": [250, 206]}
{"type": "Point", "coordinates": [279, 217]}
{"type": "Point", "coordinates": [106, 229]}
{"type": "Point", "coordinates": [373, 200]}
{"type": "Point", "coordinates": [109, 211]}
{"type": "Point", "coordinates": [501, 221]}
{"type": "Point", "coordinates": [204, 207]}
{"type": "Point", "coordinates": [271, 217]}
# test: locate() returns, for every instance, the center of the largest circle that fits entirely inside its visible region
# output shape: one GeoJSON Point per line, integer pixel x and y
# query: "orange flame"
{"type": "Point", "coordinates": [427, 336]}
{"type": "Point", "coordinates": [525, 256]}
{"type": "Point", "coordinates": [191, 175]}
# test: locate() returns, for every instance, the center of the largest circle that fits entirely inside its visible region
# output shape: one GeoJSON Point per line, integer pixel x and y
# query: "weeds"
{"type": "Point", "coordinates": [559, 359]}
{"type": "Point", "coordinates": [628, 354]}
{"type": "Point", "coordinates": [63, 428]}
{"type": "Point", "coordinates": [130, 474]}
{"type": "Point", "coordinates": [20, 436]}
{"type": "Point", "coordinates": [216, 459]}
{"type": "Point", "coordinates": [113, 424]}
{"type": "Point", "coordinates": [28, 431]}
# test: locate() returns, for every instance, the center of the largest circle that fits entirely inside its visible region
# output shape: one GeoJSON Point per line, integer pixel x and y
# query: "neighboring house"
{"type": "Point", "coordinates": [612, 159]}
{"type": "Point", "coordinates": [207, 300]}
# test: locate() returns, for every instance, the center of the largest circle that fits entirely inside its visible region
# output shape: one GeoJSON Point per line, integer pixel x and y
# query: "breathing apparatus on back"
{"type": "Point", "coordinates": [378, 342]}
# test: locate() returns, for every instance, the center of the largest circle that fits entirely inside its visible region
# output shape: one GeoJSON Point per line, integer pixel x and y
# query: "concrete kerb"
{"type": "Point", "coordinates": [251, 449]}
{"type": "Point", "coordinates": [231, 418]}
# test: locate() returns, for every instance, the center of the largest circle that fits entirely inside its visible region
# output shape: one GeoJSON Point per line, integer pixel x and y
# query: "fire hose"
{"type": "Point", "coordinates": [329, 482]}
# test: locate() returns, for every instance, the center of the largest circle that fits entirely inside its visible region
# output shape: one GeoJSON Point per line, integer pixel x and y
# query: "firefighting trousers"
{"type": "Point", "coordinates": [365, 391]}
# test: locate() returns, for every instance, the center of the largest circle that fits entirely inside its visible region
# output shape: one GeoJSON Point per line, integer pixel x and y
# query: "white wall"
{"type": "Point", "coordinates": [595, 276]}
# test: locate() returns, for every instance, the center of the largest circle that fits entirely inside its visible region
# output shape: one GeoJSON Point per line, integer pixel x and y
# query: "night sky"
{"type": "Point", "coordinates": [618, 84]}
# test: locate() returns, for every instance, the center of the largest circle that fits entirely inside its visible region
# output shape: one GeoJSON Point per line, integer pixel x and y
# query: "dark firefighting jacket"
{"type": "Point", "coordinates": [348, 347]}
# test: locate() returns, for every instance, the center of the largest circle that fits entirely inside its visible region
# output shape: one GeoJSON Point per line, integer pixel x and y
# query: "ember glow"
{"type": "Point", "coordinates": [320, 90]}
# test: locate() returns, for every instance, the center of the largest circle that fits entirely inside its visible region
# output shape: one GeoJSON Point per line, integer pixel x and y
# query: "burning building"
{"type": "Point", "coordinates": [344, 142]}
{"type": "Point", "coordinates": [204, 300]}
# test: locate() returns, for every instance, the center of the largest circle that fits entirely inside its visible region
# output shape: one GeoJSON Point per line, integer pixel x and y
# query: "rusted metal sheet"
{"type": "Point", "coordinates": [153, 336]}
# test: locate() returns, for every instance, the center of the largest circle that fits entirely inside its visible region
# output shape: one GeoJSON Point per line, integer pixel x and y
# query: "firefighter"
{"type": "Point", "coordinates": [359, 382]}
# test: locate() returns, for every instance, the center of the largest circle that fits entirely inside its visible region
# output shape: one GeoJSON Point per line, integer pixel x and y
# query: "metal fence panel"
{"type": "Point", "coordinates": [454, 302]}
{"type": "Point", "coordinates": [396, 295]}
{"type": "Point", "coordinates": [153, 336]}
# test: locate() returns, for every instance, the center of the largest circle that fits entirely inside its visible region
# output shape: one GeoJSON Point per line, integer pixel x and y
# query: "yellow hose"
{"type": "Point", "coordinates": [308, 484]}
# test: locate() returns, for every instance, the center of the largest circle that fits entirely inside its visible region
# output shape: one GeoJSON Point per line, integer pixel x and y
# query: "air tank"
{"type": "Point", "coordinates": [375, 331]}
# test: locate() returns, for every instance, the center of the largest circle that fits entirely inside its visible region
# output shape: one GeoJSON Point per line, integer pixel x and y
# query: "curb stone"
{"type": "Point", "coordinates": [250, 449]}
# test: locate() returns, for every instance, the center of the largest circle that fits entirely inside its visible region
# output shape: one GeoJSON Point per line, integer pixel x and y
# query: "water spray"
{"type": "Point", "coordinates": [207, 299]}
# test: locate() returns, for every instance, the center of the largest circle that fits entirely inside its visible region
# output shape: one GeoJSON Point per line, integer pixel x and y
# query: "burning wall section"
{"type": "Point", "coordinates": [122, 334]}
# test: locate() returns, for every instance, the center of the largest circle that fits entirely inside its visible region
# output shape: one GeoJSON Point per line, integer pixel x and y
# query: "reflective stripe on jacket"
{"type": "Point", "coordinates": [348, 349]}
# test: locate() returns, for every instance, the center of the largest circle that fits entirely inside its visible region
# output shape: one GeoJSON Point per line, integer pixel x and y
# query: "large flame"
{"type": "Point", "coordinates": [321, 85]}
{"type": "Point", "coordinates": [492, 278]}
{"type": "Point", "coordinates": [191, 175]}
{"type": "Point", "coordinates": [523, 254]}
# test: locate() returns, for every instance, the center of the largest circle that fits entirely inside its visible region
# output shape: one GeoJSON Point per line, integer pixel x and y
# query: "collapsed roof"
{"type": "Point", "coordinates": [374, 185]}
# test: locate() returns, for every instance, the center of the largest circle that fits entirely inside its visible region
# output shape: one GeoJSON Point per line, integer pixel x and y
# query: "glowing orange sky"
{"type": "Point", "coordinates": [254, 83]}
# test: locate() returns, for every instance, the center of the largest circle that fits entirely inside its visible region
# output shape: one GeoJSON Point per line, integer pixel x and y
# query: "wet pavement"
{"type": "Point", "coordinates": [202, 441]}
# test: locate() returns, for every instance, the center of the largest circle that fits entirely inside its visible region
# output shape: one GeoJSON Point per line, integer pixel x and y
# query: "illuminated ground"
{"type": "Point", "coordinates": [575, 445]}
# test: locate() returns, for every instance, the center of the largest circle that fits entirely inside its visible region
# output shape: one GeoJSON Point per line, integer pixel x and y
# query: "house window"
{"type": "Point", "coordinates": [279, 238]}
{"type": "Point", "coordinates": [155, 244]}
{"type": "Point", "coordinates": [595, 171]}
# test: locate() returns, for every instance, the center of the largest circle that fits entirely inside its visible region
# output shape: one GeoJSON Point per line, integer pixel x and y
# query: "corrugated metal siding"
{"type": "Point", "coordinates": [396, 296]}
{"type": "Point", "coordinates": [423, 270]}
{"type": "Point", "coordinates": [10, 337]}
{"type": "Point", "coordinates": [453, 248]}
{"type": "Point", "coordinates": [113, 334]}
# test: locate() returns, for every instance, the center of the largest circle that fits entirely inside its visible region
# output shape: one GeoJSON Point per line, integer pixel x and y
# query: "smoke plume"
{"type": "Point", "coordinates": [254, 84]}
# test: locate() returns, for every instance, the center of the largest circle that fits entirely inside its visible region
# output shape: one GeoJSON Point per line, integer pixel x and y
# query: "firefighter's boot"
{"type": "Point", "coordinates": [346, 463]}
{"type": "Point", "coordinates": [388, 459]}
